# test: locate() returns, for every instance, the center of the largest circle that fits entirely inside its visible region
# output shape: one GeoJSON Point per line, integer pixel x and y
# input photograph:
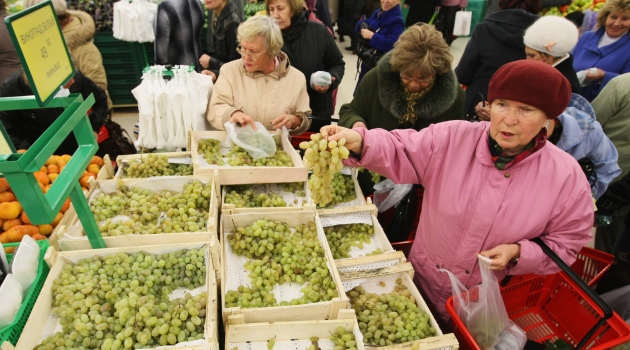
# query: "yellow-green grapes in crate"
{"type": "Point", "coordinates": [387, 319]}
{"type": "Point", "coordinates": [343, 339]}
{"type": "Point", "coordinates": [325, 158]}
{"type": "Point", "coordinates": [277, 256]}
{"type": "Point", "coordinates": [154, 165]}
{"type": "Point", "coordinates": [342, 190]}
{"type": "Point", "coordinates": [211, 151]}
{"type": "Point", "coordinates": [244, 197]}
{"type": "Point", "coordinates": [151, 212]}
{"type": "Point", "coordinates": [341, 238]}
{"type": "Point", "coordinates": [121, 301]}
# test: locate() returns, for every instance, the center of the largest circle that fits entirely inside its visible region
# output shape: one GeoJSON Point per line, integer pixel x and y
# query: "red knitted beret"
{"type": "Point", "coordinates": [534, 83]}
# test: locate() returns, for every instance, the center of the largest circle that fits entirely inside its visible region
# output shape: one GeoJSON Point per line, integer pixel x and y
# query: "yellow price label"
{"type": "Point", "coordinates": [42, 49]}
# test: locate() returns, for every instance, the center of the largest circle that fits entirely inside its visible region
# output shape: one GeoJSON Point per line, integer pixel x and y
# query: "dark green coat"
{"type": "Point", "coordinates": [379, 101]}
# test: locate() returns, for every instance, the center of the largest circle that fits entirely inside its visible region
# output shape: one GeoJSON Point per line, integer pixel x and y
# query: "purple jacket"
{"type": "Point", "coordinates": [469, 206]}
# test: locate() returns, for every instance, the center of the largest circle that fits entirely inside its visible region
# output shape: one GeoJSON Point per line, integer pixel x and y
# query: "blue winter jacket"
{"type": "Point", "coordinates": [614, 59]}
{"type": "Point", "coordinates": [387, 27]}
{"type": "Point", "coordinates": [583, 137]}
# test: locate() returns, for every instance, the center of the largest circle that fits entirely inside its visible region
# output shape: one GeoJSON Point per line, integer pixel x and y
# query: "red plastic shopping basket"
{"type": "Point", "coordinates": [296, 139]}
{"type": "Point", "coordinates": [559, 306]}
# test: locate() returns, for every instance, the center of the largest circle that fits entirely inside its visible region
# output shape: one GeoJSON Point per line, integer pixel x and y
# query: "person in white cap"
{"type": "Point", "coordinates": [550, 39]}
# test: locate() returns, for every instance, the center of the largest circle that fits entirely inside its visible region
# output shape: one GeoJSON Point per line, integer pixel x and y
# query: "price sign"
{"type": "Point", "coordinates": [39, 42]}
{"type": "Point", "coordinates": [6, 146]}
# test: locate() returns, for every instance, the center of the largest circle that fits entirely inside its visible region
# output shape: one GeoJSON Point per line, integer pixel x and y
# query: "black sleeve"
{"type": "Point", "coordinates": [162, 29]}
{"type": "Point", "coordinates": [85, 86]}
{"type": "Point", "coordinates": [616, 196]}
{"type": "Point", "coordinates": [232, 44]}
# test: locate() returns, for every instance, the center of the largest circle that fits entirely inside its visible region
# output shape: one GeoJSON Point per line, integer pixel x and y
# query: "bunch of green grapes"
{"type": "Point", "coordinates": [388, 319]}
{"type": "Point", "coordinates": [280, 254]}
{"type": "Point", "coordinates": [325, 159]}
{"type": "Point", "coordinates": [151, 212]}
{"type": "Point", "coordinates": [375, 177]}
{"type": "Point", "coordinates": [248, 199]}
{"type": "Point", "coordinates": [211, 150]}
{"type": "Point", "coordinates": [239, 157]}
{"type": "Point", "coordinates": [154, 165]}
{"type": "Point", "coordinates": [121, 301]}
{"type": "Point", "coordinates": [294, 187]}
{"type": "Point", "coordinates": [343, 190]}
{"type": "Point", "coordinates": [343, 339]}
{"type": "Point", "coordinates": [343, 237]}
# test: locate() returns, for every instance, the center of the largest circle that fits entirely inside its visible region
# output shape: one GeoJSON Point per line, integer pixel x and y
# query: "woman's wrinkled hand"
{"type": "Point", "coordinates": [502, 254]}
{"type": "Point", "coordinates": [354, 141]}
{"type": "Point", "coordinates": [289, 120]}
{"type": "Point", "coordinates": [367, 34]}
{"type": "Point", "coordinates": [359, 125]}
{"type": "Point", "coordinates": [483, 111]}
{"type": "Point", "coordinates": [322, 89]}
{"type": "Point", "coordinates": [595, 74]}
{"type": "Point", "coordinates": [204, 60]}
{"type": "Point", "coordinates": [211, 74]}
{"type": "Point", "coordinates": [242, 119]}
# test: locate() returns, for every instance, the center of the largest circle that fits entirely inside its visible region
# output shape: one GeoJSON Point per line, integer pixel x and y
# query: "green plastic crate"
{"type": "Point", "coordinates": [12, 332]}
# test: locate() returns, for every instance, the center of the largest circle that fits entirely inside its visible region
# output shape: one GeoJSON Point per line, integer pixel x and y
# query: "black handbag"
{"type": "Point", "coordinates": [400, 226]}
{"type": "Point", "coordinates": [117, 143]}
{"type": "Point", "coordinates": [368, 55]}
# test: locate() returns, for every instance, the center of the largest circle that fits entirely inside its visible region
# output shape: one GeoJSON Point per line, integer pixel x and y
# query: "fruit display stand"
{"type": "Point", "coordinates": [11, 333]}
{"type": "Point", "coordinates": [234, 274]}
{"type": "Point", "coordinates": [73, 237]}
{"type": "Point", "coordinates": [291, 335]}
{"type": "Point", "coordinates": [353, 205]}
{"type": "Point", "coordinates": [365, 215]}
{"type": "Point", "coordinates": [379, 275]}
{"type": "Point", "coordinates": [291, 198]}
{"type": "Point", "coordinates": [42, 323]}
{"type": "Point", "coordinates": [238, 175]}
{"type": "Point", "coordinates": [173, 158]}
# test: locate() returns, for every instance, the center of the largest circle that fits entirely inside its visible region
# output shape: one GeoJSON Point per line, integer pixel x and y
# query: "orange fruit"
{"type": "Point", "coordinates": [65, 205]}
{"type": "Point", "coordinates": [97, 160]}
{"type": "Point", "coordinates": [52, 177]}
{"type": "Point", "coordinates": [66, 157]}
{"type": "Point", "coordinates": [53, 169]}
{"type": "Point", "coordinates": [93, 168]}
{"type": "Point", "coordinates": [4, 185]}
{"type": "Point", "coordinates": [4, 238]}
{"type": "Point", "coordinates": [57, 219]}
{"type": "Point", "coordinates": [42, 178]}
{"type": "Point", "coordinates": [21, 151]}
{"type": "Point", "coordinates": [38, 237]}
{"type": "Point", "coordinates": [44, 170]}
{"type": "Point", "coordinates": [10, 223]}
{"type": "Point", "coordinates": [24, 218]}
{"type": "Point", "coordinates": [7, 197]}
{"type": "Point", "coordinates": [84, 180]}
{"type": "Point", "coordinates": [45, 230]}
{"type": "Point", "coordinates": [52, 160]}
{"type": "Point", "coordinates": [10, 210]}
{"type": "Point", "coordinates": [61, 163]}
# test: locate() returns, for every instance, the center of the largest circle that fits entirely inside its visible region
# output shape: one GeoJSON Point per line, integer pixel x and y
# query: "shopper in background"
{"type": "Point", "coordinates": [9, 60]}
{"type": "Point", "coordinates": [420, 11]}
{"type": "Point", "coordinates": [26, 126]}
{"type": "Point", "coordinates": [447, 11]}
{"type": "Point", "coordinates": [490, 187]}
{"type": "Point", "coordinates": [349, 14]}
{"type": "Point", "coordinates": [494, 42]}
{"type": "Point", "coordinates": [612, 108]}
{"type": "Point", "coordinates": [178, 25]}
{"type": "Point", "coordinates": [311, 50]}
{"type": "Point", "coordinates": [412, 87]}
{"type": "Point", "coordinates": [577, 18]}
{"type": "Point", "coordinates": [379, 32]}
{"type": "Point", "coordinates": [222, 26]}
{"type": "Point", "coordinates": [261, 86]}
{"type": "Point", "coordinates": [78, 32]}
{"type": "Point", "coordinates": [616, 197]}
{"type": "Point", "coordinates": [603, 54]}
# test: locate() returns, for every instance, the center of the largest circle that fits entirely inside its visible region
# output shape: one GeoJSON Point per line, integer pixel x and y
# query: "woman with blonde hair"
{"type": "Point", "coordinates": [261, 86]}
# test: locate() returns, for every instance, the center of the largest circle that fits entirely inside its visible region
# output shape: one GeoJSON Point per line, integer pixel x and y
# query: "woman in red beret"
{"type": "Point", "coordinates": [490, 187]}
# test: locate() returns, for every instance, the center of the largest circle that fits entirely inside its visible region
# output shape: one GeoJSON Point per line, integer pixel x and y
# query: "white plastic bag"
{"type": "Point", "coordinates": [387, 194]}
{"type": "Point", "coordinates": [463, 20]}
{"type": "Point", "coordinates": [11, 296]}
{"type": "Point", "coordinates": [320, 78]}
{"type": "Point", "coordinates": [25, 262]}
{"type": "Point", "coordinates": [482, 310]}
{"type": "Point", "coordinates": [258, 143]}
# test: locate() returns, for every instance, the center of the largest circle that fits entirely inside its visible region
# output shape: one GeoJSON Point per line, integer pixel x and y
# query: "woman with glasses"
{"type": "Point", "coordinates": [312, 50]}
{"type": "Point", "coordinates": [261, 86]}
{"type": "Point", "coordinates": [412, 87]}
{"type": "Point", "coordinates": [490, 187]}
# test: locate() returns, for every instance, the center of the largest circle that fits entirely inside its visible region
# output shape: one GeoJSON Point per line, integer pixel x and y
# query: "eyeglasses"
{"type": "Point", "coordinates": [247, 53]}
{"type": "Point", "coordinates": [407, 80]}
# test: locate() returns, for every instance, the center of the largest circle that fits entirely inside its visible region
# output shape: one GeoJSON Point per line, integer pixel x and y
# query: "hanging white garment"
{"type": "Point", "coordinates": [133, 21]}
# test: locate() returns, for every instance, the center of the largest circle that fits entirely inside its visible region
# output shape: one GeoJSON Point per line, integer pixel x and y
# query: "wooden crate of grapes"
{"type": "Point", "coordinates": [390, 283]}
{"type": "Point", "coordinates": [157, 296]}
{"type": "Point", "coordinates": [107, 170]}
{"type": "Point", "coordinates": [355, 234]}
{"type": "Point", "coordinates": [319, 334]}
{"type": "Point", "coordinates": [262, 262]}
{"type": "Point", "coordinates": [272, 197]}
{"type": "Point", "coordinates": [205, 148]}
{"type": "Point", "coordinates": [145, 165]}
{"type": "Point", "coordinates": [351, 199]}
{"type": "Point", "coordinates": [131, 217]}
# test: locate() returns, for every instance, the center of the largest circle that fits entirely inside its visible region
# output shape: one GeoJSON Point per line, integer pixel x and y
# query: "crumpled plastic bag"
{"type": "Point", "coordinates": [320, 78]}
{"type": "Point", "coordinates": [11, 296]}
{"type": "Point", "coordinates": [25, 262]}
{"type": "Point", "coordinates": [387, 194]}
{"type": "Point", "coordinates": [482, 310]}
{"type": "Point", "coordinates": [619, 300]}
{"type": "Point", "coordinates": [258, 143]}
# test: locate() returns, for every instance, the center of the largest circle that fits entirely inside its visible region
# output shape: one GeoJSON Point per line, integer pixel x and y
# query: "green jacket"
{"type": "Point", "coordinates": [379, 101]}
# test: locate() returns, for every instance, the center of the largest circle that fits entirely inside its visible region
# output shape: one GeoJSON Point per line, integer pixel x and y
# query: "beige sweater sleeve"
{"type": "Point", "coordinates": [221, 106]}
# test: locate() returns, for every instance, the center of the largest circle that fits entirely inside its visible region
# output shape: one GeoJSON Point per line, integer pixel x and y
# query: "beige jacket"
{"type": "Point", "coordinates": [263, 97]}
{"type": "Point", "coordinates": [79, 36]}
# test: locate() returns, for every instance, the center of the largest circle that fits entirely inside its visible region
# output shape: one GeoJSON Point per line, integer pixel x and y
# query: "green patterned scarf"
{"type": "Point", "coordinates": [410, 115]}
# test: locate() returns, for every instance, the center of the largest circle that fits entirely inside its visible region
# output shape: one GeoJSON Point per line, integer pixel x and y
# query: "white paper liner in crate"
{"type": "Point", "coordinates": [362, 217]}
{"type": "Point", "coordinates": [53, 325]}
{"type": "Point", "coordinates": [289, 197]}
{"type": "Point", "coordinates": [174, 184]}
{"type": "Point", "coordinates": [349, 284]}
{"type": "Point", "coordinates": [237, 275]}
{"type": "Point", "coordinates": [296, 344]}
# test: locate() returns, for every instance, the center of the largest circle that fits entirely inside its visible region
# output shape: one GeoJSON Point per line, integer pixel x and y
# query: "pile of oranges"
{"type": "Point", "coordinates": [14, 223]}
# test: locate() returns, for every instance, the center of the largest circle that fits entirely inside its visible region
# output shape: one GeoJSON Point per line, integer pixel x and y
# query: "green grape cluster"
{"type": "Point", "coordinates": [211, 151]}
{"type": "Point", "coordinates": [154, 165]}
{"type": "Point", "coordinates": [388, 319]}
{"type": "Point", "coordinates": [343, 339]}
{"type": "Point", "coordinates": [121, 301]}
{"type": "Point", "coordinates": [325, 159]}
{"type": "Point", "coordinates": [376, 177]}
{"type": "Point", "coordinates": [280, 254]}
{"type": "Point", "coordinates": [239, 157]}
{"type": "Point", "coordinates": [153, 212]}
{"type": "Point", "coordinates": [244, 197]}
{"type": "Point", "coordinates": [342, 190]}
{"type": "Point", "coordinates": [294, 187]}
{"type": "Point", "coordinates": [343, 237]}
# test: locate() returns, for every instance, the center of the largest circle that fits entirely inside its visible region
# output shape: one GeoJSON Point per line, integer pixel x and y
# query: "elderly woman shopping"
{"type": "Point", "coordinates": [490, 187]}
{"type": "Point", "coordinates": [261, 86]}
